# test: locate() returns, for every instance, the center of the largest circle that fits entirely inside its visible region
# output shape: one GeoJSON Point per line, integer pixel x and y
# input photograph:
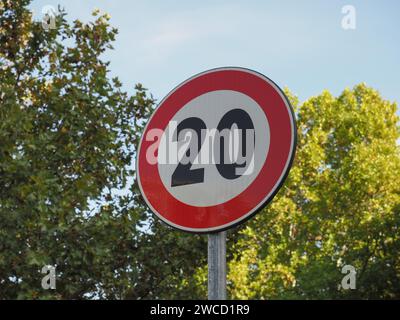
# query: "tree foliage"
{"type": "Point", "coordinates": [66, 131]}
{"type": "Point", "coordinates": [340, 206]}
{"type": "Point", "coordinates": [69, 197]}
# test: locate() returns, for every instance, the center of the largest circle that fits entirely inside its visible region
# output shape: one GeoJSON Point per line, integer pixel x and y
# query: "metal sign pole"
{"type": "Point", "coordinates": [217, 266]}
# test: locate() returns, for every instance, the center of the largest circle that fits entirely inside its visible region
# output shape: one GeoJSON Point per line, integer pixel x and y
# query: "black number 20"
{"type": "Point", "coordinates": [184, 175]}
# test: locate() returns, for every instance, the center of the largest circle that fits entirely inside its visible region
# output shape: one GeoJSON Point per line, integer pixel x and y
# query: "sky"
{"type": "Point", "coordinates": [298, 44]}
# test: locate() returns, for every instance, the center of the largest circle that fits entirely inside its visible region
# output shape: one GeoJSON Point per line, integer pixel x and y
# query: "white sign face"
{"type": "Point", "coordinates": [211, 108]}
{"type": "Point", "coordinates": [216, 150]}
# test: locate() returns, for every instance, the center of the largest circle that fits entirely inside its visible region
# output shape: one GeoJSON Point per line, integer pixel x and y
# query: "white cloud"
{"type": "Point", "coordinates": [173, 31]}
{"type": "Point", "coordinates": [167, 39]}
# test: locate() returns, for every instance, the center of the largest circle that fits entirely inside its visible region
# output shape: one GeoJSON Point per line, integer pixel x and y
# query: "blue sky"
{"type": "Point", "coordinates": [298, 44]}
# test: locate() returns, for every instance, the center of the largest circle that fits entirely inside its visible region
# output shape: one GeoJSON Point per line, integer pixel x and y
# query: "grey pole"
{"type": "Point", "coordinates": [217, 266]}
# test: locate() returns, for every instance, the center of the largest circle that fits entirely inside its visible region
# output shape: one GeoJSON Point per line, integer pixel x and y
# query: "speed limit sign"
{"type": "Point", "coordinates": [216, 150]}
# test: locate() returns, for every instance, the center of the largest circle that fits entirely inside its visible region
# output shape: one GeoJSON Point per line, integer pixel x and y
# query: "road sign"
{"type": "Point", "coordinates": [216, 150]}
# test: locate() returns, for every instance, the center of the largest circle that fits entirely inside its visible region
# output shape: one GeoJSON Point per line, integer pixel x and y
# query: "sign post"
{"type": "Point", "coordinates": [217, 266]}
{"type": "Point", "coordinates": [214, 153]}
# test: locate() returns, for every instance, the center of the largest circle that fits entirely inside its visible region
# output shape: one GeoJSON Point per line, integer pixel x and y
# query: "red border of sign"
{"type": "Point", "coordinates": [271, 176]}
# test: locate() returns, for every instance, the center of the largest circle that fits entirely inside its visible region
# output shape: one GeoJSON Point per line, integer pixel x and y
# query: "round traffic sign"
{"type": "Point", "coordinates": [216, 150]}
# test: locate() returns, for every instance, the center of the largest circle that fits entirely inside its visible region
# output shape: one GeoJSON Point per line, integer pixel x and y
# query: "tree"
{"type": "Point", "coordinates": [339, 206]}
{"type": "Point", "coordinates": [66, 132]}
